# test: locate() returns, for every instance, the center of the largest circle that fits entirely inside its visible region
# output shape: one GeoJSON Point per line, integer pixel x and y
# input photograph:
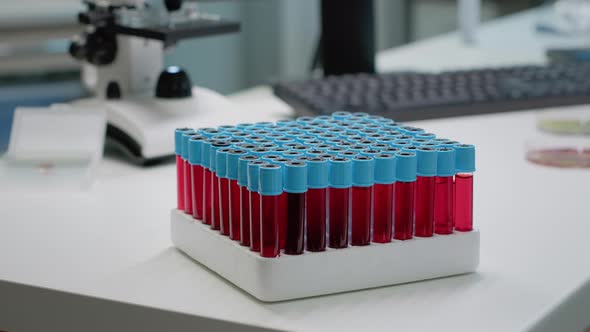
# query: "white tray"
{"type": "Point", "coordinates": [333, 271]}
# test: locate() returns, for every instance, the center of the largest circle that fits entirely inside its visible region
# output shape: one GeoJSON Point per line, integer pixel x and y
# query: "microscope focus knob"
{"type": "Point", "coordinates": [173, 83]}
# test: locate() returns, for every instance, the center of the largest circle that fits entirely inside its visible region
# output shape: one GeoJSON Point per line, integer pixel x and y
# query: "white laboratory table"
{"type": "Point", "coordinates": [103, 260]}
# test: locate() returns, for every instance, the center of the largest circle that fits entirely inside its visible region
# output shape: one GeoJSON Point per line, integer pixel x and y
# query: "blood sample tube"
{"type": "Point", "coordinates": [179, 166]}
{"type": "Point", "coordinates": [207, 184]}
{"type": "Point", "coordinates": [233, 158]}
{"type": "Point", "coordinates": [340, 181]}
{"type": "Point", "coordinates": [253, 170]}
{"type": "Point", "coordinates": [405, 175]}
{"type": "Point", "coordinates": [443, 191]}
{"type": "Point", "coordinates": [270, 188]}
{"type": "Point", "coordinates": [464, 167]}
{"type": "Point", "coordinates": [317, 199]}
{"type": "Point", "coordinates": [424, 196]}
{"type": "Point", "coordinates": [188, 197]}
{"type": "Point", "coordinates": [215, 206]}
{"type": "Point", "coordinates": [244, 199]}
{"type": "Point", "coordinates": [223, 184]}
{"type": "Point", "coordinates": [195, 146]}
{"type": "Point", "coordinates": [363, 179]}
{"type": "Point", "coordinates": [295, 187]}
{"type": "Point", "coordinates": [383, 201]}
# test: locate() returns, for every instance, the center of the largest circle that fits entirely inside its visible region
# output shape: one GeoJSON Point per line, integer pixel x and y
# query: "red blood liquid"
{"type": "Point", "coordinates": [244, 216]}
{"type": "Point", "coordinates": [282, 219]}
{"type": "Point", "coordinates": [338, 217]}
{"type": "Point", "coordinates": [180, 182]}
{"type": "Point", "coordinates": [235, 211]}
{"type": "Point", "coordinates": [443, 205]}
{"type": "Point", "coordinates": [383, 212]}
{"type": "Point", "coordinates": [424, 206]}
{"type": "Point", "coordinates": [295, 223]}
{"type": "Point", "coordinates": [316, 214]}
{"type": "Point", "coordinates": [224, 215]}
{"type": "Point", "coordinates": [188, 186]}
{"type": "Point", "coordinates": [255, 221]}
{"type": "Point", "coordinates": [362, 204]}
{"type": "Point", "coordinates": [207, 196]}
{"type": "Point", "coordinates": [463, 210]}
{"type": "Point", "coordinates": [197, 177]}
{"type": "Point", "coordinates": [403, 228]}
{"type": "Point", "coordinates": [216, 217]}
{"type": "Point", "coordinates": [269, 226]}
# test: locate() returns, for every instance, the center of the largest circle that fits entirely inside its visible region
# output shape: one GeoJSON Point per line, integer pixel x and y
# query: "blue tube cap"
{"type": "Point", "coordinates": [221, 160]}
{"type": "Point", "coordinates": [233, 159]}
{"type": "Point", "coordinates": [205, 151]}
{"type": "Point", "coordinates": [253, 172]}
{"type": "Point", "coordinates": [384, 168]}
{"type": "Point", "coordinates": [270, 180]}
{"type": "Point", "coordinates": [406, 166]}
{"type": "Point", "coordinates": [445, 164]}
{"type": "Point", "coordinates": [363, 171]}
{"type": "Point", "coordinates": [317, 173]}
{"type": "Point", "coordinates": [340, 172]}
{"type": "Point", "coordinates": [178, 139]}
{"type": "Point", "coordinates": [342, 115]}
{"type": "Point", "coordinates": [464, 158]}
{"type": "Point", "coordinates": [295, 176]}
{"type": "Point", "coordinates": [243, 169]}
{"type": "Point", "coordinates": [184, 143]}
{"type": "Point", "coordinates": [215, 145]}
{"type": "Point", "coordinates": [195, 147]}
{"type": "Point", "coordinates": [208, 132]}
{"type": "Point", "coordinates": [427, 158]}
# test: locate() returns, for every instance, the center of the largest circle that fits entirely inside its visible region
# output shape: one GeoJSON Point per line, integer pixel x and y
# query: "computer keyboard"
{"type": "Point", "coordinates": [405, 96]}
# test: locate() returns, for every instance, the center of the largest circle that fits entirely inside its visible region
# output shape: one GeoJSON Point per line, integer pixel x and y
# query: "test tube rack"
{"type": "Point", "coordinates": [396, 202]}
{"type": "Point", "coordinates": [332, 271]}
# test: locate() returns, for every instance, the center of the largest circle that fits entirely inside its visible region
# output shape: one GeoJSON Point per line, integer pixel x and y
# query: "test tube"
{"type": "Point", "coordinates": [384, 193]}
{"type": "Point", "coordinates": [270, 188]}
{"type": "Point", "coordinates": [244, 199]}
{"type": "Point", "coordinates": [464, 166]}
{"type": "Point", "coordinates": [194, 156]}
{"type": "Point", "coordinates": [253, 170]}
{"type": "Point", "coordinates": [179, 166]}
{"type": "Point", "coordinates": [443, 191]}
{"type": "Point", "coordinates": [363, 178]}
{"type": "Point", "coordinates": [233, 158]}
{"type": "Point", "coordinates": [317, 197]}
{"type": "Point", "coordinates": [295, 185]}
{"type": "Point", "coordinates": [405, 174]}
{"type": "Point", "coordinates": [188, 197]}
{"type": "Point", "coordinates": [224, 193]}
{"type": "Point", "coordinates": [215, 206]}
{"type": "Point", "coordinates": [424, 197]}
{"type": "Point", "coordinates": [207, 184]}
{"type": "Point", "coordinates": [340, 181]}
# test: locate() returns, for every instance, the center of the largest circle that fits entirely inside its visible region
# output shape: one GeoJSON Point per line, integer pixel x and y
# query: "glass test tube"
{"type": "Point", "coordinates": [244, 199]}
{"type": "Point", "coordinates": [317, 199]}
{"type": "Point", "coordinates": [424, 196]}
{"type": "Point", "coordinates": [270, 189]}
{"type": "Point", "coordinates": [178, 149]}
{"type": "Point", "coordinates": [224, 194]}
{"type": "Point", "coordinates": [363, 168]}
{"type": "Point", "coordinates": [295, 187]}
{"type": "Point", "coordinates": [340, 181]}
{"type": "Point", "coordinates": [443, 187]}
{"type": "Point", "coordinates": [465, 166]}
{"type": "Point", "coordinates": [383, 203]}
{"type": "Point", "coordinates": [253, 170]}
{"type": "Point", "coordinates": [405, 172]}
{"type": "Point", "coordinates": [233, 158]}
{"type": "Point", "coordinates": [194, 155]}
{"type": "Point", "coordinates": [215, 206]}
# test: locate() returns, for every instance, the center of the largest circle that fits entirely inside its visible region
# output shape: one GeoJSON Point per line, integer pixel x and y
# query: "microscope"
{"type": "Point", "coordinates": [122, 55]}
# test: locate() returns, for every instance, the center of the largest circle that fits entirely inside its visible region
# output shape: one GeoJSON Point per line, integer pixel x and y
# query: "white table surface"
{"type": "Point", "coordinates": [113, 243]}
